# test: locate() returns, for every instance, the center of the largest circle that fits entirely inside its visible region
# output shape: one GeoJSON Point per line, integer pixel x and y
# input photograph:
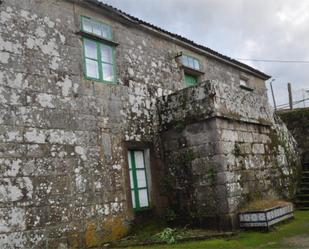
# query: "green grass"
{"type": "Point", "coordinates": [293, 234]}
{"type": "Point", "coordinates": [145, 230]}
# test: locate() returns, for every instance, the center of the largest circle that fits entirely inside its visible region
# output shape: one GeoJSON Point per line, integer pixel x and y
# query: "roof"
{"type": "Point", "coordinates": [218, 55]}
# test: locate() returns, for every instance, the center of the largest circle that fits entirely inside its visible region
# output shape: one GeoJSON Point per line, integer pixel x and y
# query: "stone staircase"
{"type": "Point", "coordinates": [302, 197]}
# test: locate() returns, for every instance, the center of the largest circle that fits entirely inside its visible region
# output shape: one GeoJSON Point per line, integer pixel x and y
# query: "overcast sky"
{"type": "Point", "coordinates": [254, 29]}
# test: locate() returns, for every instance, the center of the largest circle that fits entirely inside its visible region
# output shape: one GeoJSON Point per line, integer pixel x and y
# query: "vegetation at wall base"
{"type": "Point", "coordinates": [293, 234]}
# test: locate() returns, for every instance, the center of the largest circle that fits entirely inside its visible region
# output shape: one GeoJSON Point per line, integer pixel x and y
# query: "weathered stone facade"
{"type": "Point", "coordinates": [64, 139]}
{"type": "Point", "coordinates": [223, 147]}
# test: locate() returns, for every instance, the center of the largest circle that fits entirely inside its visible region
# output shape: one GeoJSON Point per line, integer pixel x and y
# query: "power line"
{"type": "Point", "coordinates": [276, 61]}
{"type": "Point", "coordinates": [294, 103]}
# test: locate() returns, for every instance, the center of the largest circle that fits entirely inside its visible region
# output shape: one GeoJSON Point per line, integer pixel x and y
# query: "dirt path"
{"type": "Point", "coordinates": [297, 242]}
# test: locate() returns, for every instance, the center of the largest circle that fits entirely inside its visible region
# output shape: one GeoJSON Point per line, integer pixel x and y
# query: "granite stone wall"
{"type": "Point", "coordinates": [63, 182]}
{"type": "Point", "coordinates": [60, 178]}
{"type": "Point", "coordinates": [224, 156]}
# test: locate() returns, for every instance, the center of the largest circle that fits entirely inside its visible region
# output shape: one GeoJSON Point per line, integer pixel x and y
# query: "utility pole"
{"type": "Point", "coordinates": [272, 93]}
{"type": "Point", "coordinates": [290, 96]}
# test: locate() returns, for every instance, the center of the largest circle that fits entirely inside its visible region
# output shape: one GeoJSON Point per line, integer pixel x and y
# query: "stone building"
{"type": "Point", "coordinates": [104, 117]}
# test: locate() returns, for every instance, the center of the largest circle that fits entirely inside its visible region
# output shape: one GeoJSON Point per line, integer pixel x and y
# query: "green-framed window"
{"type": "Point", "coordinates": [97, 28]}
{"type": "Point", "coordinates": [99, 61]}
{"type": "Point", "coordinates": [191, 80]}
{"type": "Point", "coordinates": [190, 61]}
{"type": "Point", "coordinates": [138, 180]}
{"type": "Point", "coordinates": [99, 57]}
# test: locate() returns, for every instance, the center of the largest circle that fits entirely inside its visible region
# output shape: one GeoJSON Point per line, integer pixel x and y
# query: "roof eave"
{"type": "Point", "coordinates": [181, 40]}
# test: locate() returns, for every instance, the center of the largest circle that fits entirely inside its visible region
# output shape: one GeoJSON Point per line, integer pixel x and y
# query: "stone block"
{"type": "Point", "coordinates": [9, 134]}
{"type": "Point", "coordinates": [36, 217]}
{"type": "Point", "coordinates": [226, 148]}
{"type": "Point", "coordinates": [13, 190]}
{"type": "Point", "coordinates": [9, 150]}
{"type": "Point", "coordinates": [244, 148]}
{"type": "Point", "coordinates": [229, 135]}
{"type": "Point", "coordinates": [258, 149]}
{"type": "Point", "coordinates": [12, 220]}
{"type": "Point", "coordinates": [36, 136]}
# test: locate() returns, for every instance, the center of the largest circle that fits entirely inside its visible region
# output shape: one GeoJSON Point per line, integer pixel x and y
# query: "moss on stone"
{"type": "Point", "coordinates": [293, 165]}
{"type": "Point", "coordinates": [297, 122]}
{"type": "Point", "coordinates": [112, 229]}
{"type": "Point", "coordinates": [294, 115]}
{"type": "Point", "coordinates": [179, 185]}
{"type": "Point", "coordinates": [212, 176]}
{"type": "Point", "coordinates": [262, 204]}
{"type": "Point", "coordinates": [180, 126]}
{"type": "Point", "coordinates": [116, 228]}
{"type": "Point", "coordinates": [236, 151]}
{"type": "Point", "coordinates": [92, 237]}
{"type": "Point", "coordinates": [189, 156]}
{"type": "Point", "coordinates": [233, 115]}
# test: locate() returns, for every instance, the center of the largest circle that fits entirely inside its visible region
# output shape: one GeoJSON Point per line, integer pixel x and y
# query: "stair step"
{"type": "Point", "coordinates": [302, 203]}
{"type": "Point", "coordinates": [305, 173]}
{"type": "Point", "coordinates": [302, 197]}
{"type": "Point", "coordinates": [305, 178]}
{"type": "Point", "coordinates": [303, 194]}
{"type": "Point", "coordinates": [304, 184]}
{"type": "Point", "coordinates": [303, 208]}
{"type": "Point", "coordinates": [303, 190]}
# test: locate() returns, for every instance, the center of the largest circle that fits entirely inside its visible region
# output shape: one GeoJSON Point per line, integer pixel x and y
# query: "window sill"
{"type": "Point", "coordinates": [101, 81]}
{"type": "Point", "coordinates": [192, 70]}
{"type": "Point", "coordinates": [98, 38]}
{"type": "Point", "coordinates": [138, 210]}
{"type": "Point", "coordinates": [247, 88]}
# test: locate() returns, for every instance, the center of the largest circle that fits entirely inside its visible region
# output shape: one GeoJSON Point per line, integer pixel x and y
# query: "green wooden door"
{"type": "Point", "coordinates": [190, 80]}
{"type": "Point", "coordinates": [138, 179]}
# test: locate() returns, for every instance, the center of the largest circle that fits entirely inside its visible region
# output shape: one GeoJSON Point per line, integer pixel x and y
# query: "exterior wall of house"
{"type": "Point", "coordinates": [223, 150]}
{"type": "Point", "coordinates": [63, 139]}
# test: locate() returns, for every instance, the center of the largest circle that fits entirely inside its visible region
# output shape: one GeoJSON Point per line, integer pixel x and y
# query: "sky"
{"type": "Point", "coordinates": [245, 29]}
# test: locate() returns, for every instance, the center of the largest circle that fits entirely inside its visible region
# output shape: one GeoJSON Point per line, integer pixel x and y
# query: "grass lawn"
{"type": "Point", "coordinates": [293, 234]}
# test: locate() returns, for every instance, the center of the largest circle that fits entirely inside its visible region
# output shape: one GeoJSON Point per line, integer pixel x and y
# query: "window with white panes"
{"type": "Point", "coordinates": [99, 57]}
{"type": "Point", "coordinates": [138, 180]}
{"type": "Point", "coordinates": [243, 82]}
{"type": "Point", "coordinates": [191, 62]}
{"type": "Point", "coordinates": [97, 28]}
